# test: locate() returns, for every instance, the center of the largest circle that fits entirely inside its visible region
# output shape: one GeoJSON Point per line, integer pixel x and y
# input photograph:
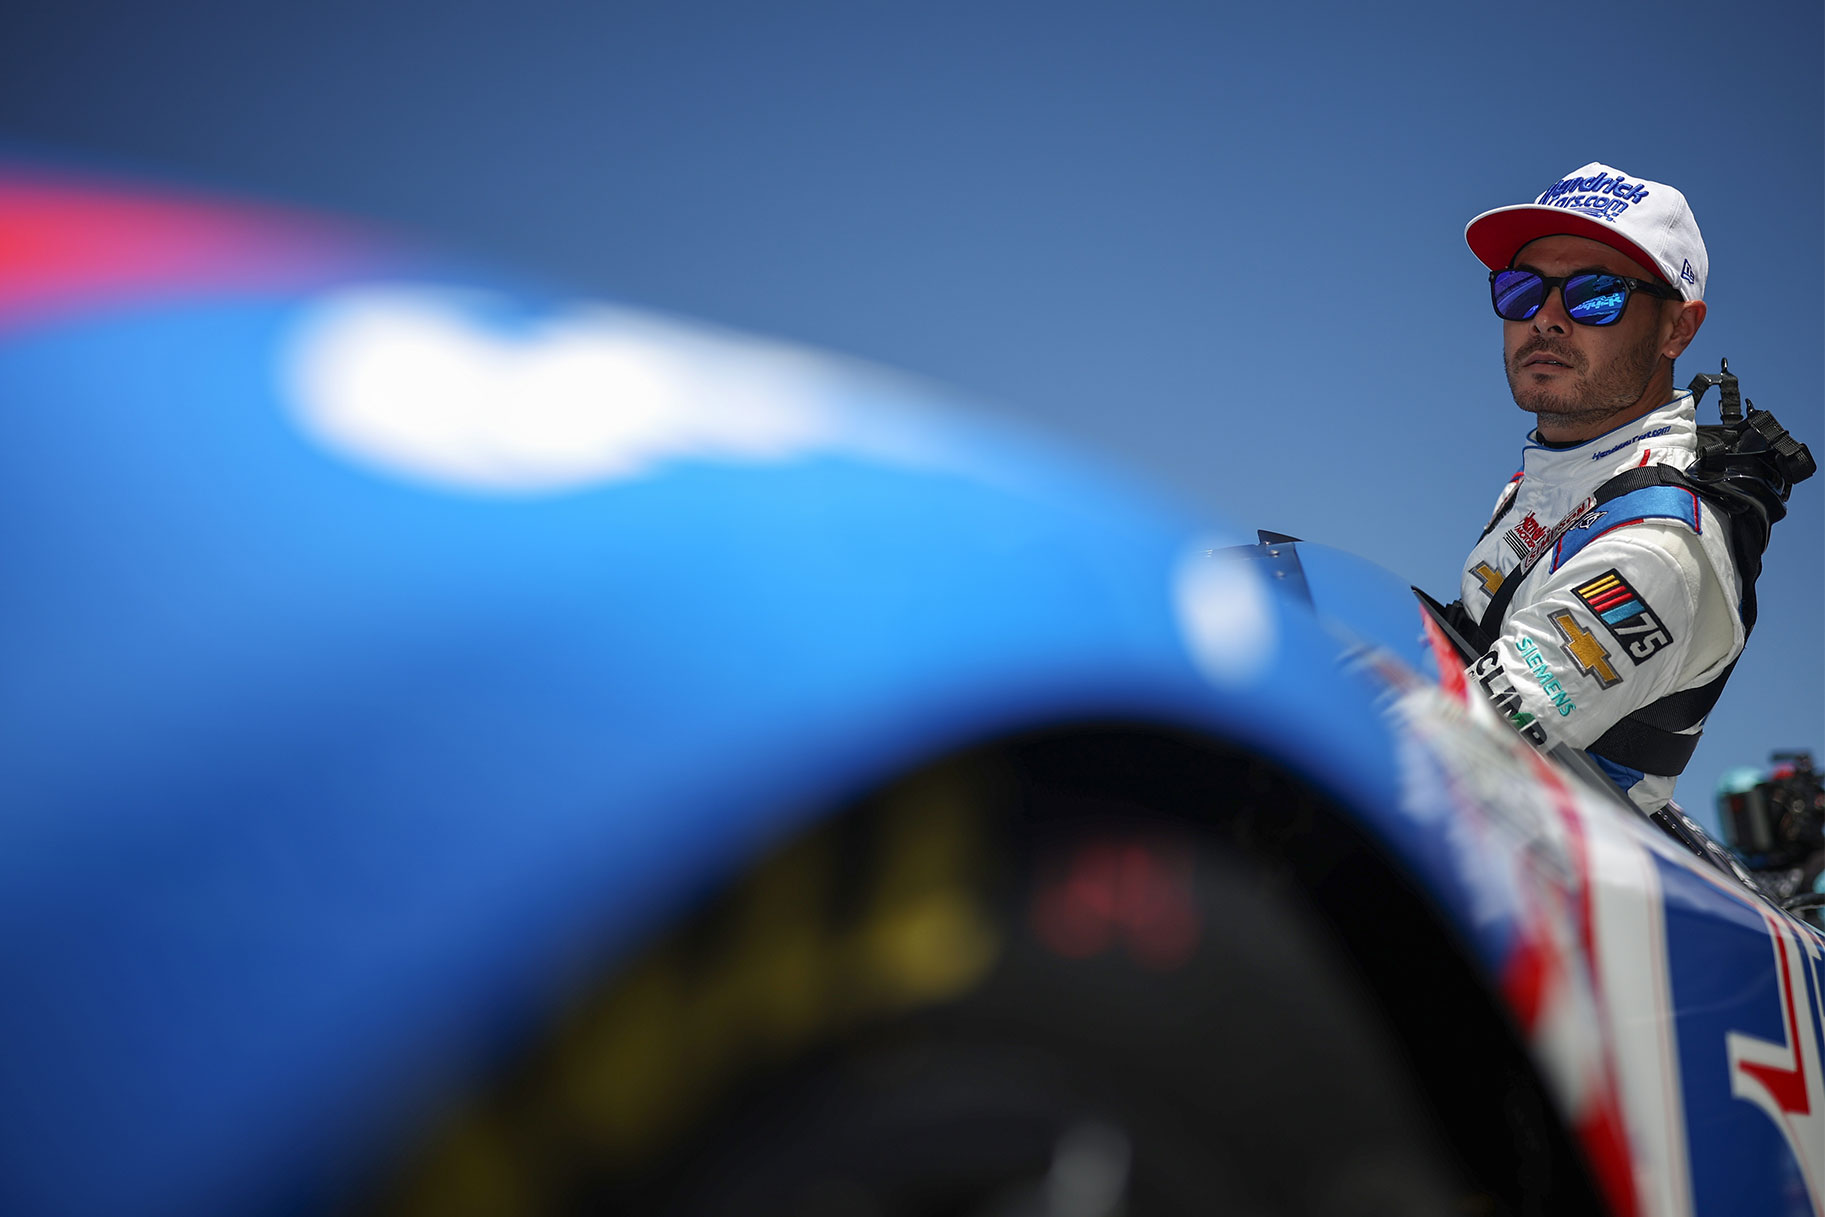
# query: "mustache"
{"type": "Point", "coordinates": [1564, 352]}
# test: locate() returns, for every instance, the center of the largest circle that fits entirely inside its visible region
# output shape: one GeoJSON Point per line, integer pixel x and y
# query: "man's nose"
{"type": "Point", "coordinates": [1551, 314]}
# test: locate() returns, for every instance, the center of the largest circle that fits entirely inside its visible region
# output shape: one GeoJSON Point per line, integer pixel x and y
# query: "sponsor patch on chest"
{"type": "Point", "coordinates": [1625, 615]}
{"type": "Point", "coordinates": [1526, 536]}
{"type": "Point", "coordinates": [1530, 539]}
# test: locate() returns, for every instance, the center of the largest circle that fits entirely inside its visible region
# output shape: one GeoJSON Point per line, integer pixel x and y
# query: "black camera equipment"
{"type": "Point", "coordinates": [1777, 828]}
{"type": "Point", "coordinates": [1746, 458]}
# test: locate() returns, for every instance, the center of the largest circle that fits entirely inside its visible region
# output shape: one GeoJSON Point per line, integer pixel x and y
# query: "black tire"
{"type": "Point", "coordinates": [1192, 1043]}
{"type": "Point", "coordinates": [1247, 1077]}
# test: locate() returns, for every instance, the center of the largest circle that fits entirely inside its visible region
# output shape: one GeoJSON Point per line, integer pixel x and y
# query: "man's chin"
{"type": "Point", "coordinates": [1555, 415]}
{"type": "Point", "coordinates": [1558, 422]}
{"type": "Point", "coordinates": [1545, 404]}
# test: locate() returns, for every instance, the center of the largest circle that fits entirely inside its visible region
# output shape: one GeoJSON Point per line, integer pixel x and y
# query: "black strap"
{"type": "Point", "coordinates": [1654, 738]}
{"type": "Point", "coordinates": [1634, 744]}
{"type": "Point", "coordinates": [1687, 707]}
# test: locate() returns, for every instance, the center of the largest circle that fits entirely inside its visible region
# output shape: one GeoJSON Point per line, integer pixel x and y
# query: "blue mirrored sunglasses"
{"type": "Point", "coordinates": [1591, 297]}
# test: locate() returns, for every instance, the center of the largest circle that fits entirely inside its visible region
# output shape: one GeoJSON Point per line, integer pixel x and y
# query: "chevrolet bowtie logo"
{"type": "Point", "coordinates": [1585, 650]}
{"type": "Point", "coordinates": [1492, 578]}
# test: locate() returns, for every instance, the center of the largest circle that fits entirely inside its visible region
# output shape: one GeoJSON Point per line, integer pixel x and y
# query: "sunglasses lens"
{"type": "Point", "coordinates": [1518, 294]}
{"type": "Point", "coordinates": [1595, 299]}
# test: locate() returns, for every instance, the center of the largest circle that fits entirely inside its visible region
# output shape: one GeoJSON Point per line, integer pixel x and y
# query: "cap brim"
{"type": "Point", "coordinates": [1495, 237]}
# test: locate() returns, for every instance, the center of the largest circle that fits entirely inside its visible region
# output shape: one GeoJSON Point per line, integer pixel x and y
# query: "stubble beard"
{"type": "Point", "coordinates": [1614, 388]}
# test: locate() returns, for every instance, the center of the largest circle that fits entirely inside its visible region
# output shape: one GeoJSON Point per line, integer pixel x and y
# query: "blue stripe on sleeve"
{"type": "Point", "coordinates": [1648, 503]}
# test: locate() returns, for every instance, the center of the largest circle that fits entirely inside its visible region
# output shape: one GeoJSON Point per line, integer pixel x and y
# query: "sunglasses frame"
{"type": "Point", "coordinates": [1549, 282]}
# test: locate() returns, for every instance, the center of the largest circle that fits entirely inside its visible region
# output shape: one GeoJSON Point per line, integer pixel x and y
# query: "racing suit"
{"type": "Point", "coordinates": [1615, 613]}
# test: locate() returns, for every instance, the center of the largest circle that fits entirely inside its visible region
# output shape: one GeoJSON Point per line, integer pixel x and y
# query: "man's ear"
{"type": "Point", "coordinates": [1686, 320]}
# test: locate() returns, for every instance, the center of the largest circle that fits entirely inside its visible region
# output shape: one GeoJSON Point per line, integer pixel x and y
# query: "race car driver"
{"type": "Point", "coordinates": [1609, 600]}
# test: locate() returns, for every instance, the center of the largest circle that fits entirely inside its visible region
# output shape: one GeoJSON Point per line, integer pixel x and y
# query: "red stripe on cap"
{"type": "Point", "coordinates": [1499, 236]}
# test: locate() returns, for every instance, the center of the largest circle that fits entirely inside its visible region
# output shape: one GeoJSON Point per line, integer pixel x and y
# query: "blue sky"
{"type": "Point", "coordinates": [1221, 245]}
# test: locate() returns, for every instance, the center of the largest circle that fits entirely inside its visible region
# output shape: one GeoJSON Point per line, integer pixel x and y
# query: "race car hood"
{"type": "Point", "coordinates": [384, 636]}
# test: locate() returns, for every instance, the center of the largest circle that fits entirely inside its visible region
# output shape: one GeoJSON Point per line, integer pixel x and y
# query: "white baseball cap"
{"type": "Point", "coordinates": [1649, 221]}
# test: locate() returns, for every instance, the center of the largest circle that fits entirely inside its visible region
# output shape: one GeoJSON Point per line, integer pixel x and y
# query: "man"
{"type": "Point", "coordinates": [1612, 609]}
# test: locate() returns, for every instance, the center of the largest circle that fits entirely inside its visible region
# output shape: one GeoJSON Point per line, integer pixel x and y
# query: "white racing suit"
{"type": "Point", "coordinates": [1621, 607]}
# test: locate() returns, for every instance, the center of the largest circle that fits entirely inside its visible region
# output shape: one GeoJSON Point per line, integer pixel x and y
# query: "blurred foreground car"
{"type": "Point", "coordinates": [468, 751]}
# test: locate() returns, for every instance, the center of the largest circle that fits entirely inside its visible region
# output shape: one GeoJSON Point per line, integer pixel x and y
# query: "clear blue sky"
{"type": "Point", "coordinates": [1222, 245]}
